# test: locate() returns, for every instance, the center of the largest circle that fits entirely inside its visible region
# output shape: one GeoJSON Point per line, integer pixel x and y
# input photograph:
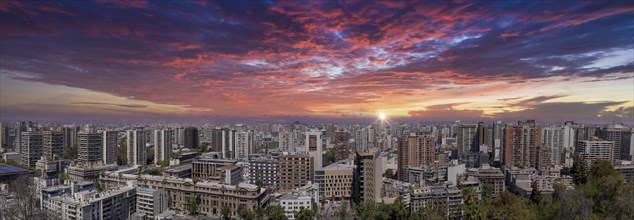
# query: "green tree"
{"type": "Point", "coordinates": [366, 210]}
{"type": "Point", "coordinates": [487, 196]}
{"type": "Point", "coordinates": [304, 214]}
{"type": "Point", "coordinates": [512, 207]}
{"type": "Point", "coordinates": [70, 152]}
{"type": "Point", "coordinates": [62, 176]}
{"type": "Point", "coordinates": [343, 211]}
{"type": "Point", "coordinates": [225, 213]}
{"type": "Point", "coordinates": [389, 173]}
{"type": "Point", "coordinates": [330, 156]}
{"type": "Point", "coordinates": [275, 213]}
{"type": "Point", "coordinates": [602, 168]}
{"type": "Point", "coordinates": [122, 154]}
{"type": "Point", "coordinates": [471, 206]}
{"type": "Point", "coordinates": [165, 163]}
{"type": "Point", "coordinates": [246, 214]}
{"type": "Point", "coordinates": [259, 183]}
{"type": "Point", "coordinates": [579, 171]}
{"type": "Point", "coordinates": [536, 194]}
{"type": "Point", "coordinates": [192, 205]}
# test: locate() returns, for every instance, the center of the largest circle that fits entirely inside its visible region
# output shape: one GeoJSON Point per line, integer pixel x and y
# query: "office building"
{"type": "Point", "coordinates": [70, 135]}
{"type": "Point", "coordinates": [150, 202]}
{"type": "Point", "coordinates": [110, 147]}
{"type": "Point", "coordinates": [415, 151]}
{"type": "Point", "coordinates": [89, 147]}
{"type": "Point", "coordinates": [467, 138]}
{"type": "Point", "coordinates": [209, 169]}
{"type": "Point", "coordinates": [335, 181]}
{"type": "Point", "coordinates": [163, 145]}
{"type": "Point", "coordinates": [136, 147]}
{"type": "Point", "coordinates": [293, 171]}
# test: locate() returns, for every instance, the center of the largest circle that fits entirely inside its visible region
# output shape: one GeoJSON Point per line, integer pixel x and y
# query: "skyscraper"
{"type": "Point", "coordinates": [521, 141]}
{"type": "Point", "coordinates": [89, 146]}
{"type": "Point", "coordinates": [163, 145]}
{"type": "Point", "coordinates": [415, 151]}
{"type": "Point", "coordinates": [52, 144]}
{"type": "Point", "coordinates": [136, 147]}
{"type": "Point", "coordinates": [31, 147]}
{"type": "Point", "coordinates": [553, 139]}
{"type": "Point", "coordinates": [110, 145]}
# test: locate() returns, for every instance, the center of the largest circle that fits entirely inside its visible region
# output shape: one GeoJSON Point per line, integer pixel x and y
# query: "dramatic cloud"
{"type": "Point", "coordinates": [325, 58]}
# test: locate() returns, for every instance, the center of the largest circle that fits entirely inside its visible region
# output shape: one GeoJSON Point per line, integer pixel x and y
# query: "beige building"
{"type": "Point", "coordinates": [335, 181]}
{"type": "Point", "coordinates": [209, 169]}
{"type": "Point", "coordinates": [596, 149]}
{"type": "Point", "coordinates": [293, 172]}
{"type": "Point", "coordinates": [212, 196]}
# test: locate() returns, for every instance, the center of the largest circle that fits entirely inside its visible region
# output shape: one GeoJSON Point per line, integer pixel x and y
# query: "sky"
{"type": "Point", "coordinates": [325, 60]}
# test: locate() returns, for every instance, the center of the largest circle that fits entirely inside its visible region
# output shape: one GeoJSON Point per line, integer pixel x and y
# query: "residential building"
{"type": "Point", "coordinates": [293, 202]}
{"type": "Point", "coordinates": [521, 141]}
{"type": "Point", "coordinates": [163, 141]}
{"type": "Point", "coordinates": [110, 147]}
{"type": "Point", "coordinates": [52, 144]}
{"type": "Point", "coordinates": [89, 147]}
{"type": "Point", "coordinates": [293, 171]}
{"type": "Point", "coordinates": [136, 147]}
{"type": "Point", "coordinates": [116, 203]}
{"type": "Point", "coordinates": [415, 151]}
{"type": "Point", "coordinates": [88, 171]}
{"type": "Point", "coordinates": [367, 177]}
{"type": "Point", "coordinates": [265, 171]}
{"type": "Point", "coordinates": [596, 149]}
{"type": "Point", "coordinates": [191, 137]}
{"type": "Point", "coordinates": [31, 147]}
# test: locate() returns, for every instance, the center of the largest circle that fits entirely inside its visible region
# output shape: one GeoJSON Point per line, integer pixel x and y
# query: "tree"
{"type": "Point", "coordinates": [275, 213]}
{"type": "Point", "coordinates": [70, 152]}
{"type": "Point", "coordinates": [330, 156]}
{"type": "Point", "coordinates": [304, 214]}
{"type": "Point", "coordinates": [246, 214]}
{"type": "Point", "coordinates": [192, 205]}
{"type": "Point", "coordinates": [122, 154]}
{"type": "Point", "coordinates": [366, 210]}
{"type": "Point", "coordinates": [389, 173]}
{"type": "Point", "coordinates": [225, 213]}
{"type": "Point", "coordinates": [24, 204]}
{"type": "Point", "coordinates": [259, 183]}
{"type": "Point", "coordinates": [62, 176]}
{"type": "Point", "coordinates": [579, 171]}
{"type": "Point", "coordinates": [343, 211]}
{"type": "Point", "coordinates": [165, 163]}
{"type": "Point", "coordinates": [602, 168]}
{"type": "Point", "coordinates": [509, 206]}
{"type": "Point", "coordinates": [150, 155]}
{"type": "Point", "coordinates": [487, 196]}
{"type": "Point", "coordinates": [471, 205]}
{"type": "Point", "coordinates": [536, 194]}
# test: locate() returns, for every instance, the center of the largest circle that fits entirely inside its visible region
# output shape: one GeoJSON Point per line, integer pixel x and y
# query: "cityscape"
{"type": "Point", "coordinates": [311, 110]}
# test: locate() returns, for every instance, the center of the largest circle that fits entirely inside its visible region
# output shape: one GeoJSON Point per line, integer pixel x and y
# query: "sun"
{"type": "Point", "coordinates": [382, 116]}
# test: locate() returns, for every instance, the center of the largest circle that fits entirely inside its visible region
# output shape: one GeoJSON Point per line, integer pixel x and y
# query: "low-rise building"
{"type": "Point", "coordinates": [207, 168]}
{"type": "Point", "coordinates": [335, 181]}
{"type": "Point", "coordinates": [150, 202]}
{"type": "Point", "coordinates": [293, 202]}
{"type": "Point", "coordinates": [88, 171]}
{"type": "Point", "coordinates": [437, 196]}
{"type": "Point", "coordinates": [211, 196]}
{"type": "Point", "coordinates": [115, 203]}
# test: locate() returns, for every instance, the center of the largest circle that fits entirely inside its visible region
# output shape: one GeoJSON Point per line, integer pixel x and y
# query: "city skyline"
{"type": "Point", "coordinates": [318, 60]}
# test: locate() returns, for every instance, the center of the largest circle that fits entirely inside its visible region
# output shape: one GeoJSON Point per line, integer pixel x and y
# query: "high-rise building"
{"type": "Point", "coordinates": [52, 144]}
{"type": "Point", "coordinates": [467, 138]}
{"type": "Point", "coordinates": [553, 138]}
{"type": "Point", "coordinates": [163, 145]}
{"type": "Point", "coordinates": [596, 149]}
{"type": "Point", "coordinates": [110, 145]}
{"type": "Point", "coordinates": [313, 145]}
{"type": "Point", "coordinates": [335, 181]}
{"type": "Point", "coordinates": [415, 151]}
{"type": "Point", "coordinates": [622, 140]}
{"type": "Point", "coordinates": [70, 135]}
{"type": "Point", "coordinates": [293, 171]}
{"type": "Point", "coordinates": [136, 147]}
{"type": "Point", "coordinates": [89, 147]}
{"type": "Point", "coordinates": [367, 177]}
{"type": "Point", "coordinates": [22, 127]}
{"type": "Point", "coordinates": [191, 137]}
{"type": "Point", "coordinates": [31, 147]}
{"type": "Point", "coordinates": [521, 141]}
{"type": "Point", "coordinates": [4, 137]}
{"type": "Point", "coordinates": [243, 144]}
